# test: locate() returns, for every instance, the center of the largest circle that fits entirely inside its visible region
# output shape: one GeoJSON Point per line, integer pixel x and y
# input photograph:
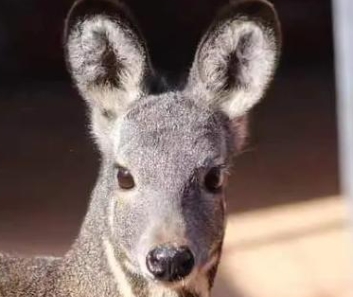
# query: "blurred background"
{"type": "Point", "coordinates": [288, 229]}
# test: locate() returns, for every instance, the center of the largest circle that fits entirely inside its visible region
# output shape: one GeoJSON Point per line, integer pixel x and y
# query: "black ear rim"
{"type": "Point", "coordinates": [84, 9]}
{"type": "Point", "coordinates": [261, 12]}
{"type": "Point", "coordinates": [114, 10]}
{"type": "Point", "coordinates": [117, 12]}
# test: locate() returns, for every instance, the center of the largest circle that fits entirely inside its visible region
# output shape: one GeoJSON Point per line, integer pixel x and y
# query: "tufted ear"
{"type": "Point", "coordinates": [237, 56]}
{"type": "Point", "coordinates": [105, 55]}
{"type": "Point", "coordinates": [107, 59]}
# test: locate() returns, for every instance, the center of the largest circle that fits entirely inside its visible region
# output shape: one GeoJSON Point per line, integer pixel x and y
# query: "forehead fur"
{"type": "Point", "coordinates": [173, 132]}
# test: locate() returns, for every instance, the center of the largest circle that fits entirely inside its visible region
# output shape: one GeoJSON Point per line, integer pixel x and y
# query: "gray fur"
{"type": "Point", "coordinates": [167, 141]}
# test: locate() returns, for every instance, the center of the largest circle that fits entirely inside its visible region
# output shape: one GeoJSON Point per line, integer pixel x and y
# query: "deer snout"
{"type": "Point", "coordinates": [167, 263]}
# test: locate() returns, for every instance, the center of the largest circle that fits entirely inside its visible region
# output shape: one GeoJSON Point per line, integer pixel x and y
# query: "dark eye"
{"type": "Point", "coordinates": [125, 179]}
{"type": "Point", "coordinates": [214, 180]}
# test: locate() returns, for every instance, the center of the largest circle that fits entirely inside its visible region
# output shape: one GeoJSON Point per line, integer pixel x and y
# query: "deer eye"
{"type": "Point", "coordinates": [214, 180]}
{"type": "Point", "coordinates": [125, 179]}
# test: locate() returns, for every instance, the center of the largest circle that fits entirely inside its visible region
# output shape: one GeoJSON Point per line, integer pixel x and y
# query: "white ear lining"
{"type": "Point", "coordinates": [86, 48]}
{"type": "Point", "coordinates": [88, 43]}
{"type": "Point", "coordinates": [257, 63]}
{"type": "Point", "coordinates": [256, 52]}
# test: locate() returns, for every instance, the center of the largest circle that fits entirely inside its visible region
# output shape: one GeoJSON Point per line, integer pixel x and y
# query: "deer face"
{"type": "Point", "coordinates": [170, 158]}
{"type": "Point", "coordinates": [165, 156]}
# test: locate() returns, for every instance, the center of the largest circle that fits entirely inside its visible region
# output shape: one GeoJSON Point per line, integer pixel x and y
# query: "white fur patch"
{"type": "Point", "coordinates": [121, 280]}
{"type": "Point", "coordinates": [162, 291]}
{"type": "Point", "coordinates": [112, 99]}
{"type": "Point", "coordinates": [111, 215]}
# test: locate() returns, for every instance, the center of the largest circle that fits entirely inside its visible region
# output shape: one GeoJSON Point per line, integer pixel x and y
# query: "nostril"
{"type": "Point", "coordinates": [157, 262]}
{"type": "Point", "coordinates": [184, 261]}
{"type": "Point", "coordinates": [170, 263]}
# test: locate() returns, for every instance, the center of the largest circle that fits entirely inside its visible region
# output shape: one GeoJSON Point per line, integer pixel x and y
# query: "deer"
{"type": "Point", "coordinates": [156, 221]}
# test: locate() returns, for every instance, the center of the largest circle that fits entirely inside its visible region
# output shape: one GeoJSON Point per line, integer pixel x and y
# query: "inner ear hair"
{"type": "Point", "coordinates": [237, 56]}
{"type": "Point", "coordinates": [105, 50]}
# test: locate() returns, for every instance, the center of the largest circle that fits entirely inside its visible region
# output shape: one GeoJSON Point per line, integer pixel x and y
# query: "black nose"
{"type": "Point", "coordinates": [170, 263]}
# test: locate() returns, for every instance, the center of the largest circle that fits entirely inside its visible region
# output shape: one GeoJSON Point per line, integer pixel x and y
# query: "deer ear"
{"type": "Point", "coordinates": [236, 58]}
{"type": "Point", "coordinates": [105, 55]}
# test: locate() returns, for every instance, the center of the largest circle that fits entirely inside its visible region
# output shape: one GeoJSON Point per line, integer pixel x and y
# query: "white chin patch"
{"type": "Point", "coordinates": [121, 280]}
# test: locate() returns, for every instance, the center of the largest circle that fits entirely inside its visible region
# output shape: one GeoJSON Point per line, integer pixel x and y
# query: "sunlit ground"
{"type": "Point", "coordinates": [296, 250]}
